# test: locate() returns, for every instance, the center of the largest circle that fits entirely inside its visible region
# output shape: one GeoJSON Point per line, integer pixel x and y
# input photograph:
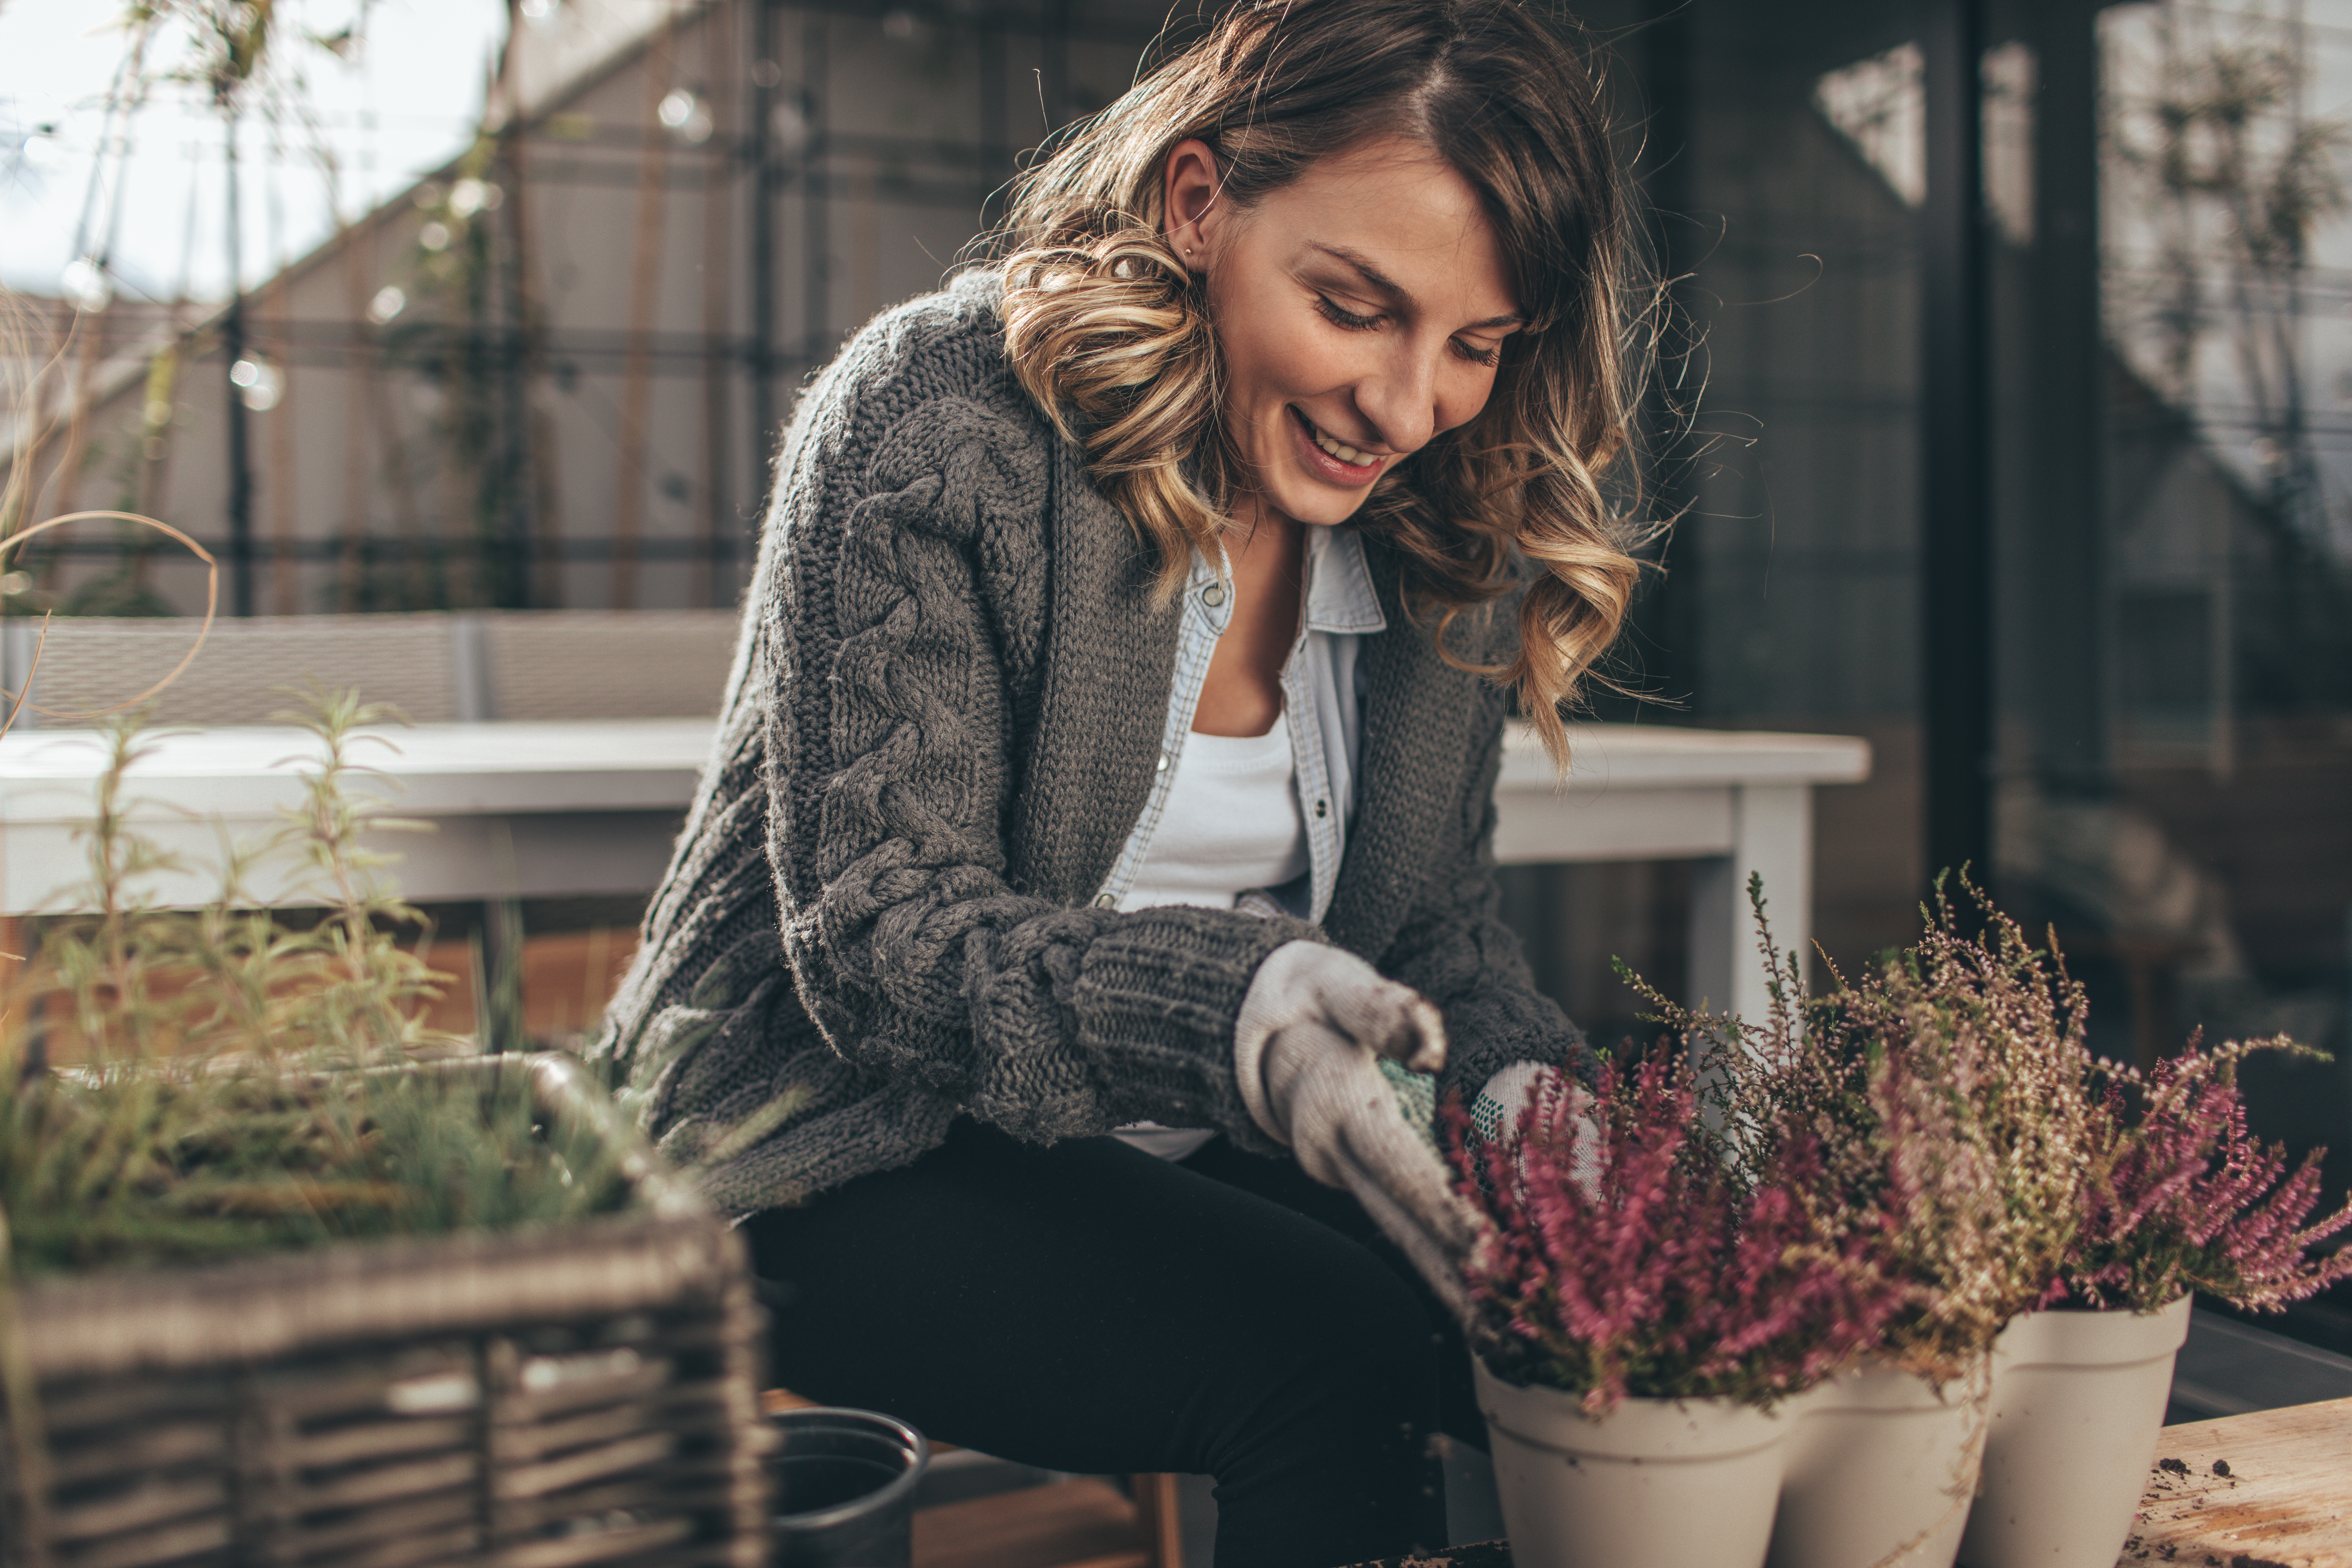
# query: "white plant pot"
{"type": "Point", "coordinates": [2077, 1401]}
{"type": "Point", "coordinates": [1656, 1483]}
{"type": "Point", "coordinates": [1881, 1469]}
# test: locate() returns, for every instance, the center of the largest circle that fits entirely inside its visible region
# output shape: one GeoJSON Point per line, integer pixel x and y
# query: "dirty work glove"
{"type": "Point", "coordinates": [1307, 1045]}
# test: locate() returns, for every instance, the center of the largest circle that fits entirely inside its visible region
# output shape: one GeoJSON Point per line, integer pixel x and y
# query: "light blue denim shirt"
{"type": "Point", "coordinates": [1322, 704]}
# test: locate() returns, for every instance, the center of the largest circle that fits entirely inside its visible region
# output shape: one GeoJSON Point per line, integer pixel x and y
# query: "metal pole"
{"type": "Point", "coordinates": [240, 460]}
{"type": "Point", "coordinates": [816, 282]}
{"type": "Point", "coordinates": [1956, 565]}
{"type": "Point", "coordinates": [516, 359]}
{"type": "Point", "coordinates": [1668, 616]}
{"type": "Point", "coordinates": [767, 75]}
{"type": "Point", "coordinates": [995, 136]}
{"type": "Point", "coordinates": [722, 45]}
{"type": "Point", "coordinates": [1054, 80]}
{"type": "Point", "coordinates": [2055, 587]}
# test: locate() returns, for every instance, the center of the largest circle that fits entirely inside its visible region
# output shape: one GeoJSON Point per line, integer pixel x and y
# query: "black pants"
{"type": "Point", "coordinates": [1088, 1308]}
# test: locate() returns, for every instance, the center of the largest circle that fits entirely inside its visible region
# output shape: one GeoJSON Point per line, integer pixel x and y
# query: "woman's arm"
{"type": "Point", "coordinates": [890, 752]}
{"type": "Point", "coordinates": [1454, 949]}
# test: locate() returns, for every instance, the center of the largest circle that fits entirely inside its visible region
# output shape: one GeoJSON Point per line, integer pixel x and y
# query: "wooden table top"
{"type": "Point", "coordinates": [2271, 1489]}
{"type": "Point", "coordinates": [1487, 1554]}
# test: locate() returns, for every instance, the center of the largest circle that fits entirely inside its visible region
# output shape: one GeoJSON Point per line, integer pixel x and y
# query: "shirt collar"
{"type": "Point", "coordinates": [1339, 593]}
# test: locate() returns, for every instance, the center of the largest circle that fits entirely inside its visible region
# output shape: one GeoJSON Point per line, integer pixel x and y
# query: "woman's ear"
{"type": "Point", "coordinates": [1191, 199]}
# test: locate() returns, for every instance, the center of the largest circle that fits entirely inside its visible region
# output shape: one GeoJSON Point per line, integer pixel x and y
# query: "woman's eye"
{"type": "Point", "coordinates": [1476, 355]}
{"type": "Point", "coordinates": [1341, 317]}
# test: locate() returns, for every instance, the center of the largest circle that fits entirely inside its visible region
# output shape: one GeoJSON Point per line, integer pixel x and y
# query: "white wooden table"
{"type": "Point", "coordinates": [552, 810]}
{"type": "Point", "coordinates": [1738, 802]}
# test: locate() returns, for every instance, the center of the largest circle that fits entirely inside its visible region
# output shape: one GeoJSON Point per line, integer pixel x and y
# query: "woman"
{"type": "Point", "coordinates": [1110, 750]}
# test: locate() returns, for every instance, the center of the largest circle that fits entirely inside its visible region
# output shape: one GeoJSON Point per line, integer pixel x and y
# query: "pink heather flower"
{"type": "Point", "coordinates": [1895, 1167]}
{"type": "Point", "coordinates": [2184, 1198]}
{"type": "Point", "coordinates": [1623, 1259]}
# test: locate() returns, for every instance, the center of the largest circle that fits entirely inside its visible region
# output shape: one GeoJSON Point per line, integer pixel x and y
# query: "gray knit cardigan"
{"type": "Point", "coordinates": [942, 721]}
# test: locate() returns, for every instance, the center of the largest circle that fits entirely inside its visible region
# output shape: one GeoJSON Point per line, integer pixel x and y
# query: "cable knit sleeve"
{"type": "Point", "coordinates": [890, 756]}
{"type": "Point", "coordinates": [1454, 949]}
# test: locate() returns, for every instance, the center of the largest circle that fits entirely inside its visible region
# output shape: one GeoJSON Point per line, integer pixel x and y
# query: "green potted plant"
{"type": "Point", "coordinates": [286, 1275]}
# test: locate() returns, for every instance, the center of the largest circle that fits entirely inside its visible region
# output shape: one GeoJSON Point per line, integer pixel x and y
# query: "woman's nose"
{"type": "Point", "coordinates": [1400, 398]}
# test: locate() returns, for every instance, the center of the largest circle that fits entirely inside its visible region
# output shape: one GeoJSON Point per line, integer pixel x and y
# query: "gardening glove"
{"type": "Point", "coordinates": [1307, 1045]}
{"type": "Point", "coordinates": [1495, 1114]}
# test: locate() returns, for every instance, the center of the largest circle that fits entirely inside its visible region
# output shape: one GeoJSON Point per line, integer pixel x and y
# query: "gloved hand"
{"type": "Point", "coordinates": [1306, 1051]}
{"type": "Point", "coordinates": [1495, 1114]}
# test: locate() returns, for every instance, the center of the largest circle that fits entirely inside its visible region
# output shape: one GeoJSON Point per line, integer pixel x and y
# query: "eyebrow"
{"type": "Point", "coordinates": [1397, 291]}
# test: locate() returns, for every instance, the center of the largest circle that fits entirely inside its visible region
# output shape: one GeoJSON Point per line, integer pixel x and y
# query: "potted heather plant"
{"type": "Point", "coordinates": [2180, 1199]}
{"type": "Point", "coordinates": [1901, 1247]}
{"type": "Point", "coordinates": [1953, 1166]}
{"type": "Point", "coordinates": [1642, 1312]}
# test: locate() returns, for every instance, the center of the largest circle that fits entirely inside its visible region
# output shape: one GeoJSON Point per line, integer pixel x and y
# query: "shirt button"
{"type": "Point", "coordinates": [1322, 808]}
{"type": "Point", "coordinates": [1106, 900]}
{"type": "Point", "coordinates": [1163, 764]}
{"type": "Point", "coordinates": [1214, 594]}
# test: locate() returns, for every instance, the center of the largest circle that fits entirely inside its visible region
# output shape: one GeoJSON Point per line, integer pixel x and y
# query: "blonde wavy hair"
{"type": "Point", "coordinates": [1111, 332]}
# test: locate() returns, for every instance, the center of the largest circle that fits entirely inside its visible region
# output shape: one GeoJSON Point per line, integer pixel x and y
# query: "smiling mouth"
{"type": "Point", "coordinates": [1353, 456]}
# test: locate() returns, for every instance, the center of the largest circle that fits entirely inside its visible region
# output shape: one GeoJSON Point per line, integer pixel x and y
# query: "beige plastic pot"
{"type": "Point", "coordinates": [1881, 1469]}
{"type": "Point", "coordinates": [2077, 1401]}
{"type": "Point", "coordinates": [1656, 1483]}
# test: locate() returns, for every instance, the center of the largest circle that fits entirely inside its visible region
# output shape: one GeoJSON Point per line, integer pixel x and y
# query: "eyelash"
{"type": "Point", "coordinates": [1349, 321]}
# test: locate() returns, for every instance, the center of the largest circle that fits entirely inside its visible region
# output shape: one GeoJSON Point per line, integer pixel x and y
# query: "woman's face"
{"type": "Point", "coordinates": [1361, 310]}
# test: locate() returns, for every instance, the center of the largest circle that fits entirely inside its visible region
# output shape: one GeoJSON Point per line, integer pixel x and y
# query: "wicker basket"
{"type": "Point", "coordinates": [536, 1400]}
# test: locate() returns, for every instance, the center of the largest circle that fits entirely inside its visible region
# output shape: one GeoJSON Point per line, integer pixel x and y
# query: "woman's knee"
{"type": "Point", "coordinates": [1339, 1423]}
{"type": "Point", "coordinates": [1351, 1356]}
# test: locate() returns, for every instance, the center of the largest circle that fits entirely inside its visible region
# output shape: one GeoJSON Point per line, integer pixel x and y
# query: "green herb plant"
{"type": "Point", "coordinates": [237, 1079]}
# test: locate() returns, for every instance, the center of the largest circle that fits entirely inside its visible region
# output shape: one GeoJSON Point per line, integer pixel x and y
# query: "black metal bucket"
{"type": "Point", "coordinates": [845, 1490]}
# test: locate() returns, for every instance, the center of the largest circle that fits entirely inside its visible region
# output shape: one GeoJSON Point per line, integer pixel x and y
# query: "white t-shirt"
{"type": "Point", "coordinates": [1232, 823]}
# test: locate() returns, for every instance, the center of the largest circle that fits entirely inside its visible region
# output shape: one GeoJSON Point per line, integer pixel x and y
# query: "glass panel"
{"type": "Point", "coordinates": [2171, 356]}
{"type": "Point", "coordinates": [2166, 194]}
{"type": "Point", "coordinates": [2224, 282]}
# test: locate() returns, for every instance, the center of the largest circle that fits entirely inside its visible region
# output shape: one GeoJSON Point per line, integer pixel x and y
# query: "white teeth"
{"type": "Point", "coordinates": [1341, 450]}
